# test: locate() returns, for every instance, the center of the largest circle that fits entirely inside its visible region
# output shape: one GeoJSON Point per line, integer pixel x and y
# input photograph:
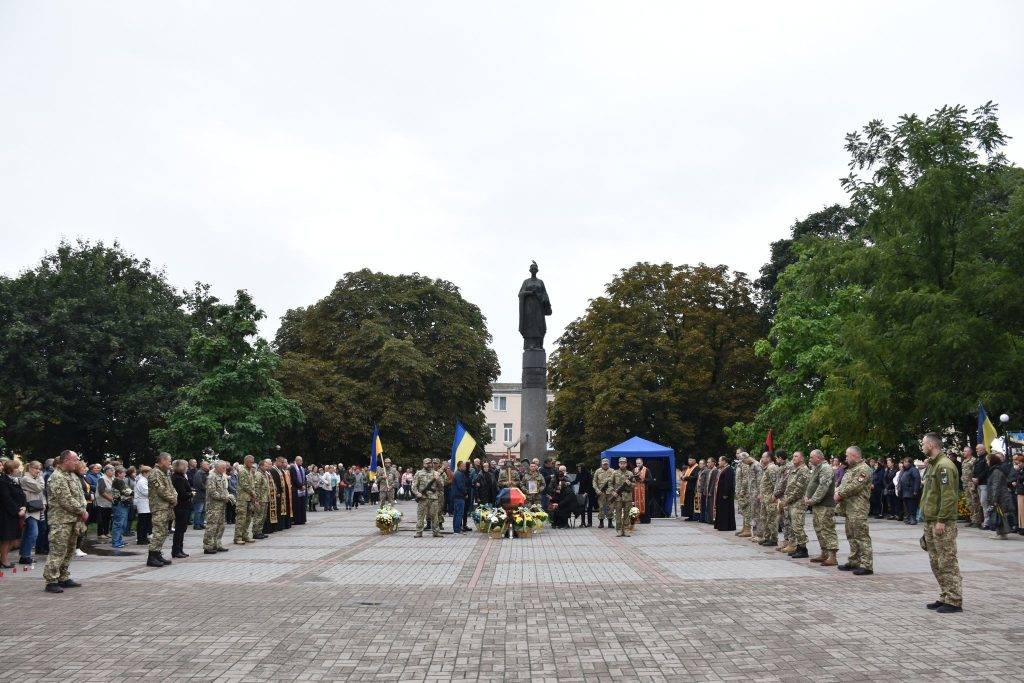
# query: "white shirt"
{"type": "Point", "coordinates": [142, 494]}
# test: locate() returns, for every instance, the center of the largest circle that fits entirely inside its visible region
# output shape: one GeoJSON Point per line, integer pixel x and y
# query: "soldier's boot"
{"type": "Point", "coordinates": [418, 534]}
{"type": "Point", "coordinates": [830, 561]}
{"type": "Point", "coordinates": [160, 556]}
{"type": "Point", "coordinates": [744, 532]}
{"type": "Point", "coordinates": [789, 547]}
{"type": "Point", "coordinates": [822, 557]}
{"type": "Point", "coordinates": [600, 524]}
{"type": "Point", "coordinates": [154, 560]}
{"type": "Point", "coordinates": [800, 553]}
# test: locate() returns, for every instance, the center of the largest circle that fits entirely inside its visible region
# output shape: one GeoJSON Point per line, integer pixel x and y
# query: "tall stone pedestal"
{"type": "Point", "coordinates": [535, 405]}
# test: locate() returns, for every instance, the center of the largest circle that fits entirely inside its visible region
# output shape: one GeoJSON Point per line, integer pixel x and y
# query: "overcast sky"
{"type": "Point", "coordinates": [276, 146]}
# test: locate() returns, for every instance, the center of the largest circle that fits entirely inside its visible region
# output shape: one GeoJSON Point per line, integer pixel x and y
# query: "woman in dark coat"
{"type": "Point", "coordinates": [13, 508]}
{"type": "Point", "coordinates": [182, 509]}
{"type": "Point", "coordinates": [485, 486]}
{"type": "Point", "coordinates": [585, 487]}
{"type": "Point", "coordinates": [725, 494]}
{"type": "Point", "coordinates": [1000, 497]}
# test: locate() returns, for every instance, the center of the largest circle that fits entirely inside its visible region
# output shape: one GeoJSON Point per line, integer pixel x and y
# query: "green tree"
{"type": "Point", "coordinates": [403, 351]}
{"type": "Point", "coordinates": [906, 324]}
{"type": "Point", "coordinates": [235, 405]}
{"type": "Point", "coordinates": [667, 354]}
{"type": "Point", "coordinates": [92, 350]}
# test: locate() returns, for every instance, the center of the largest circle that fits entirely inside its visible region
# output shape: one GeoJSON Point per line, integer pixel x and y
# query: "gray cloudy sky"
{"type": "Point", "coordinates": [276, 146]}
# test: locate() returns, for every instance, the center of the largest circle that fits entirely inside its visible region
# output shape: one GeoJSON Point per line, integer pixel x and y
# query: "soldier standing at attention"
{"type": "Point", "coordinates": [426, 487]}
{"type": "Point", "coordinates": [244, 505]}
{"type": "Point", "coordinates": [765, 496]}
{"type": "Point", "coordinates": [973, 502]}
{"type": "Point", "coordinates": [855, 493]}
{"type": "Point", "coordinates": [779, 494]}
{"type": "Point", "coordinates": [753, 507]}
{"type": "Point", "coordinates": [622, 497]}
{"type": "Point", "coordinates": [603, 486]}
{"type": "Point", "coordinates": [387, 482]}
{"type": "Point", "coordinates": [162, 499]}
{"type": "Point", "coordinates": [742, 491]}
{"type": "Point", "coordinates": [796, 489]}
{"type": "Point", "coordinates": [66, 514]}
{"type": "Point", "coordinates": [939, 507]}
{"type": "Point", "coordinates": [820, 497]}
{"type": "Point", "coordinates": [261, 489]}
{"type": "Point", "coordinates": [217, 497]}
{"type": "Point", "coordinates": [533, 485]}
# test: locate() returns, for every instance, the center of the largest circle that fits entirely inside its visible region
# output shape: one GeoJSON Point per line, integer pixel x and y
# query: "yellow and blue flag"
{"type": "Point", "coordinates": [462, 445]}
{"type": "Point", "coordinates": [375, 448]}
{"type": "Point", "coordinates": [986, 430]}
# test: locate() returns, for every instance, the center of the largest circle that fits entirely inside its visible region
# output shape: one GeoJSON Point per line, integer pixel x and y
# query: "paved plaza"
{"type": "Point", "coordinates": [334, 600]}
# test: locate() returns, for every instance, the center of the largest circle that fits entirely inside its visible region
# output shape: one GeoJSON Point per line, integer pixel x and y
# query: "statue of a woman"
{"type": "Point", "coordinates": [533, 306]}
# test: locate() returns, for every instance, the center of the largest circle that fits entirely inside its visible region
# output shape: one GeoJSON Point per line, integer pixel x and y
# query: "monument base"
{"type": "Point", "coordinates": [534, 405]}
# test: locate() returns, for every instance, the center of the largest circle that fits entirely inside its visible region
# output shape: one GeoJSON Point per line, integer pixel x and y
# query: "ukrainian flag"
{"type": "Point", "coordinates": [462, 445]}
{"type": "Point", "coordinates": [375, 448]}
{"type": "Point", "coordinates": [986, 430]}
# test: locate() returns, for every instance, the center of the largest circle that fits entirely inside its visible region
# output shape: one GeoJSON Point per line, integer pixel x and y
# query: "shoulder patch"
{"type": "Point", "coordinates": [862, 477]}
{"type": "Point", "coordinates": [944, 476]}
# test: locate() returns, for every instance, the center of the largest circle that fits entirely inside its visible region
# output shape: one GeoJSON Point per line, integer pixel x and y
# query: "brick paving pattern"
{"type": "Point", "coordinates": [333, 600]}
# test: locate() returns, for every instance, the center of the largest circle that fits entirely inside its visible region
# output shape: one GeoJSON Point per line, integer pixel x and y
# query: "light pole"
{"type": "Point", "coordinates": [1004, 420]}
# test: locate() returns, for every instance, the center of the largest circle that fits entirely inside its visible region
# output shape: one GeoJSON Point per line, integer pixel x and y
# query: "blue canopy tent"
{"type": "Point", "coordinates": [648, 450]}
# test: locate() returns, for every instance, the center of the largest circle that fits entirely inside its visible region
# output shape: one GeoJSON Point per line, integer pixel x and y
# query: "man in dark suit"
{"type": "Point", "coordinates": [298, 491]}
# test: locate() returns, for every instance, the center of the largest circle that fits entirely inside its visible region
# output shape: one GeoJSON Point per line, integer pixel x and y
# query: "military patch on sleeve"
{"type": "Point", "coordinates": [862, 477]}
{"type": "Point", "coordinates": [944, 477]}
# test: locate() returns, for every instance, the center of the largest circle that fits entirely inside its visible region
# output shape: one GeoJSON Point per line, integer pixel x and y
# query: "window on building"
{"type": "Point", "coordinates": [493, 428]}
{"type": "Point", "coordinates": [508, 432]}
{"type": "Point", "coordinates": [501, 403]}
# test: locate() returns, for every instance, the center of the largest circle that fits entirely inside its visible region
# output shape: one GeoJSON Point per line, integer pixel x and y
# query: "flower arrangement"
{"type": "Point", "coordinates": [481, 517]}
{"type": "Point", "coordinates": [963, 508]}
{"type": "Point", "coordinates": [540, 517]}
{"type": "Point", "coordinates": [634, 513]}
{"type": "Point", "coordinates": [387, 519]}
{"type": "Point", "coordinates": [491, 519]}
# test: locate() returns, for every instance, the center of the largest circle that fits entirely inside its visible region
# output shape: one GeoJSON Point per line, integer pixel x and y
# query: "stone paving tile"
{"type": "Point", "coordinates": [333, 600]}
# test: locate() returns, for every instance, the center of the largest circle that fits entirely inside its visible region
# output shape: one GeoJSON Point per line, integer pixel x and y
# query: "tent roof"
{"type": "Point", "coordinates": [638, 446]}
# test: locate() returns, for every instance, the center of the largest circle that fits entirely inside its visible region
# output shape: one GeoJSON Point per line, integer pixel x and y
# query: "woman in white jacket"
{"type": "Point", "coordinates": [144, 524]}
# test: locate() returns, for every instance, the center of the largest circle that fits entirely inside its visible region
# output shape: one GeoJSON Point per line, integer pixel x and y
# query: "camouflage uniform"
{"type": "Point", "coordinates": [65, 505]}
{"type": "Point", "coordinates": [742, 495]}
{"type": "Point", "coordinates": [769, 509]}
{"type": "Point", "coordinates": [245, 490]}
{"type": "Point", "coordinates": [217, 497]}
{"type": "Point", "coordinates": [939, 500]}
{"type": "Point", "coordinates": [622, 490]}
{"type": "Point", "coordinates": [753, 507]}
{"type": "Point", "coordinates": [387, 482]}
{"type": "Point", "coordinates": [796, 488]}
{"type": "Point", "coordinates": [971, 491]}
{"type": "Point", "coordinates": [428, 505]}
{"type": "Point", "coordinates": [855, 489]}
{"type": "Point", "coordinates": [821, 488]}
{"type": "Point", "coordinates": [162, 499]}
{"type": "Point", "coordinates": [779, 494]}
{"type": "Point", "coordinates": [508, 478]}
{"type": "Point", "coordinates": [538, 479]}
{"type": "Point", "coordinates": [603, 486]}
{"type": "Point", "coordinates": [261, 489]}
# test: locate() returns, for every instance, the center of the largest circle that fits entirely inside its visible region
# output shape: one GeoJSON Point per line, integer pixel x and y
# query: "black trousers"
{"type": "Point", "coordinates": [103, 517]}
{"type": "Point", "coordinates": [181, 519]}
{"type": "Point", "coordinates": [910, 508]}
{"type": "Point", "coordinates": [144, 527]}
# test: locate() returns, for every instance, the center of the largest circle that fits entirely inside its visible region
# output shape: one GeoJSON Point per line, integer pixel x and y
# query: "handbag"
{"type": "Point", "coordinates": [35, 506]}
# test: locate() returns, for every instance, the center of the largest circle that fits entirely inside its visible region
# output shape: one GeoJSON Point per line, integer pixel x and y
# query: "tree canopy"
{"type": "Point", "coordinates": [92, 350]}
{"type": "Point", "coordinates": [235, 405]}
{"type": "Point", "coordinates": [903, 323]}
{"type": "Point", "coordinates": [406, 352]}
{"type": "Point", "coordinates": [667, 354]}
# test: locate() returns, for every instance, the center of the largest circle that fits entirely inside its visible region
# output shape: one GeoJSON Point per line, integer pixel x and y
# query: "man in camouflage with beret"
{"type": "Point", "coordinates": [796, 489]}
{"type": "Point", "coordinates": [427, 486]}
{"type": "Point", "coordinates": [217, 497]}
{"type": "Point", "coordinates": [622, 497]}
{"type": "Point", "coordinates": [66, 515]}
{"type": "Point", "coordinates": [261, 496]}
{"type": "Point", "coordinates": [162, 499]}
{"type": "Point", "coordinates": [245, 491]}
{"type": "Point", "coordinates": [766, 498]}
{"type": "Point", "coordinates": [855, 493]}
{"type": "Point", "coordinates": [742, 491]}
{"type": "Point", "coordinates": [820, 498]}
{"type": "Point", "coordinates": [939, 501]}
{"type": "Point", "coordinates": [603, 485]}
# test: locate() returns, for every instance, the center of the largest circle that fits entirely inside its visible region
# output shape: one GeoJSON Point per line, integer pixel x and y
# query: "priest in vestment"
{"type": "Point", "coordinates": [641, 475]}
{"type": "Point", "coordinates": [276, 493]}
{"type": "Point", "coordinates": [688, 491]}
{"type": "Point", "coordinates": [286, 495]}
{"type": "Point", "coordinates": [725, 495]}
{"type": "Point", "coordinates": [709, 510]}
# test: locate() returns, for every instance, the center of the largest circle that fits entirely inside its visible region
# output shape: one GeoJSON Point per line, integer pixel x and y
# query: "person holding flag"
{"type": "Point", "coordinates": [385, 475]}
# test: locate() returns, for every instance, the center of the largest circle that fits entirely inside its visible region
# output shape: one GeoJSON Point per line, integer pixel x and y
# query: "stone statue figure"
{"type": "Point", "coordinates": [533, 306]}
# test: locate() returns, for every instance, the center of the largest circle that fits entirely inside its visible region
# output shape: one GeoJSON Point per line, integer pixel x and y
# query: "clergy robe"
{"type": "Point", "coordinates": [286, 498]}
{"type": "Point", "coordinates": [725, 494]}
{"type": "Point", "coordinates": [709, 506]}
{"type": "Point", "coordinates": [276, 494]}
{"type": "Point", "coordinates": [640, 493]}
{"type": "Point", "coordinates": [298, 476]}
{"type": "Point", "coordinates": [689, 492]}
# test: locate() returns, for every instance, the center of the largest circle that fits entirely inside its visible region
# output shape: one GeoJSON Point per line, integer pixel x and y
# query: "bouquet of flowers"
{"type": "Point", "coordinates": [482, 517]}
{"type": "Point", "coordinates": [634, 513]}
{"type": "Point", "coordinates": [539, 517]}
{"type": "Point", "coordinates": [495, 520]}
{"type": "Point", "coordinates": [387, 519]}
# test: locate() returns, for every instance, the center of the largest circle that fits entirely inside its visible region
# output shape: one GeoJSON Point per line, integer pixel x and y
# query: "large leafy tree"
{"type": "Point", "coordinates": [667, 353]}
{"type": "Point", "coordinates": [403, 351]}
{"type": "Point", "coordinates": [235, 405]}
{"type": "Point", "coordinates": [907, 322]}
{"type": "Point", "coordinates": [92, 350]}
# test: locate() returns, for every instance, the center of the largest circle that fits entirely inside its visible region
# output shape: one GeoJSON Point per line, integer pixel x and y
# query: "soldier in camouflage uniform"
{"type": "Point", "coordinates": [820, 497]}
{"type": "Point", "coordinates": [261, 496]}
{"type": "Point", "coordinates": [622, 497]}
{"type": "Point", "coordinates": [753, 506]}
{"type": "Point", "coordinates": [743, 492]}
{"type": "Point", "coordinates": [66, 514]}
{"type": "Point", "coordinates": [217, 497]}
{"type": "Point", "coordinates": [971, 489]}
{"type": "Point", "coordinates": [387, 482]}
{"type": "Point", "coordinates": [162, 499]}
{"type": "Point", "coordinates": [537, 479]}
{"type": "Point", "coordinates": [603, 485]}
{"type": "Point", "coordinates": [245, 490]}
{"type": "Point", "coordinates": [779, 494]}
{"type": "Point", "coordinates": [855, 493]}
{"type": "Point", "coordinates": [765, 496]}
{"type": "Point", "coordinates": [427, 487]}
{"type": "Point", "coordinates": [939, 501]}
{"type": "Point", "coordinates": [796, 489]}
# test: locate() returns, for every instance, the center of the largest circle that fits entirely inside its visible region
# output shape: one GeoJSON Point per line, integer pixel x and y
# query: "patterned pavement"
{"type": "Point", "coordinates": [334, 600]}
